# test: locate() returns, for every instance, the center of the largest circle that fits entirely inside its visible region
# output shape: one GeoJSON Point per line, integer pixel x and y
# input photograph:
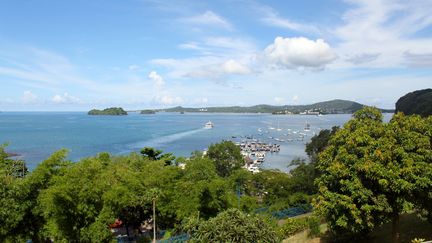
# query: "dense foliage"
{"type": "Point", "coordinates": [417, 102]}
{"type": "Point", "coordinates": [113, 111]}
{"type": "Point", "coordinates": [226, 157]}
{"type": "Point", "coordinates": [73, 202]}
{"type": "Point", "coordinates": [292, 226]}
{"type": "Point", "coordinates": [231, 226]}
{"type": "Point", "coordinates": [372, 169]}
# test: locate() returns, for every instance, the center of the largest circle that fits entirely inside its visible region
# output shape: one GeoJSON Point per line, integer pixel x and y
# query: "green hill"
{"type": "Point", "coordinates": [113, 111]}
{"type": "Point", "coordinates": [327, 107]}
{"type": "Point", "coordinates": [417, 102]}
{"type": "Point", "coordinates": [147, 112]}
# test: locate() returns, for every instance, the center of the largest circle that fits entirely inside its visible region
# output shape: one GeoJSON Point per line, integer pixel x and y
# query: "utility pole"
{"type": "Point", "coordinates": [154, 219]}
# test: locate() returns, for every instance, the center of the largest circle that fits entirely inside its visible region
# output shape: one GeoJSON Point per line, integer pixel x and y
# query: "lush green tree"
{"type": "Point", "coordinates": [369, 171]}
{"type": "Point", "coordinates": [20, 215]}
{"type": "Point", "coordinates": [319, 142]}
{"type": "Point", "coordinates": [231, 226]}
{"type": "Point", "coordinates": [226, 157]}
{"type": "Point", "coordinates": [95, 191]}
{"type": "Point", "coordinates": [11, 167]}
{"type": "Point", "coordinates": [156, 154]}
{"type": "Point", "coordinates": [303, 176]}
{"type": "Point", "coordinates": [201, 190]}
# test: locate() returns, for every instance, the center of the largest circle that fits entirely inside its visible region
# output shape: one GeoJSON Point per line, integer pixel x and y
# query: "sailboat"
{"type": "Point", "coordinates": [278, 128]}
{"type": "Point", "coordinates": [307, 127]}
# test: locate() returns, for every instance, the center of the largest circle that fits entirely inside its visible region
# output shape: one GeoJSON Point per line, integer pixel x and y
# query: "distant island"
{"type": "Point", "coordinates": [147, 112]}
{"type": "Point", "coordinates": [417, 102]}
{"type": "Point", "coordinates": [327, 107]}
{"type": "Point", "coordinates": [113, 111]}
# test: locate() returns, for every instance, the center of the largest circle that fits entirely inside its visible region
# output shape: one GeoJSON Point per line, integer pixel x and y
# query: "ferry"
{"type": "Point", "coordinates": [208, 125]}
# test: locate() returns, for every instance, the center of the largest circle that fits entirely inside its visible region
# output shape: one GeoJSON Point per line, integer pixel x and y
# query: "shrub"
{"type": "Point", "coordinates": [293, 226]}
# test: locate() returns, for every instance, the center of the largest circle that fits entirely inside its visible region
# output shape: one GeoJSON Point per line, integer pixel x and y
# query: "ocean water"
{"type": "Point", "coordinates": [35, 135]}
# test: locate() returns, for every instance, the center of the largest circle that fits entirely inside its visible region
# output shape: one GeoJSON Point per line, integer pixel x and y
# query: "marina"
{"type": "Point", "coordinates": [255, 152]}
{"type": "Point", "coordinates": [256, 147]}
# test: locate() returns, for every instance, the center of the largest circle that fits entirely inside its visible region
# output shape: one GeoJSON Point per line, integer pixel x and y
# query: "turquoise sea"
{"type": "Point", "coordinates": [35, 135]}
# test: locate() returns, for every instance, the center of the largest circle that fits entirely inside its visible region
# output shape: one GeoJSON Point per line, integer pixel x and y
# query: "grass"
{"type": "Point", "coordinates": [410, 227]}
{"type": "Point", "coordinates": [303, 236]}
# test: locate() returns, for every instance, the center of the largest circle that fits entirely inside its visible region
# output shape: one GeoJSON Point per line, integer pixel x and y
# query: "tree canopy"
{"type": "Point", "coordinates": [226, 156]}
{"type": "Point", "coordinates": [371, 169]}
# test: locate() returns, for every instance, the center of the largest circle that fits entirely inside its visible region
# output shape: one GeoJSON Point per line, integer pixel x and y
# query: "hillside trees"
{"type": "Point", "coordinates": [371, 169]}
{"type": "Point", "coordinates": [417, 102]}
{"type": "Point", "coordinates": [226, 156]}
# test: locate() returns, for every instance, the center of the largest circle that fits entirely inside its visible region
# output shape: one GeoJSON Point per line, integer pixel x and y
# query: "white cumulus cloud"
{"type": "Point", "coordinates": [162, 95]}
{"type": "Point", "coordinates": [65, 99]}
{"type": "Point", "coordinates": [234, 67]}
{"type": "Point", "coordinates": [157, 79]}
{"type": "Point", "coordinates": [29, 98]}
{"type": "Point", "coordinates": [299, 52]}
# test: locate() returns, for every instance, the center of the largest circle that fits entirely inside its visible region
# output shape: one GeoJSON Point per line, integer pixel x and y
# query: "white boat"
{"type": "Point", "coordinates": [208, 125]}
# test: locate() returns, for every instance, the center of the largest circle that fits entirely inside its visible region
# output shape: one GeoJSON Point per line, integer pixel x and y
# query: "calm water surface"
{"type": "Point", "coordinates": [35, 135]}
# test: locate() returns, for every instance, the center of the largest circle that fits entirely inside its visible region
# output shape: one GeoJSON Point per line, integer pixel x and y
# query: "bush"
{"type": "Point", "coordinates": [296, 225]}
{"type": "Point", "coordinates": [293, 226]}
{"type": "Point", "coordinates": [314, 226]}
{"type": "Point", "coordinates": [231, 226]}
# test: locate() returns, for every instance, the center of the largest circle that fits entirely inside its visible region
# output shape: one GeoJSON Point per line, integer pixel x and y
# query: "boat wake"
{"type": "Point", "coordinates": [163, 140]}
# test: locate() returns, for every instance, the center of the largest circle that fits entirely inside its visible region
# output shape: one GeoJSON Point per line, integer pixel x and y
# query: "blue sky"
{"type": "Point", "coordinates": [77, 55]}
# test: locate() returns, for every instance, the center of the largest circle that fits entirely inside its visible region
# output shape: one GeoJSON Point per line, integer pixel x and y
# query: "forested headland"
{"type": "Point", "coordinates": [417, 102]}
{"type": "Point", "coordinates": [113, 111]}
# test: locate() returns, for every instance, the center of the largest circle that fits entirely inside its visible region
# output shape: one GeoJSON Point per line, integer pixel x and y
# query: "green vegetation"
{"type": "Point", "coordinates": [231, 226]}
{"type": "Point", "coordinates": [226, 156]}
{"type": "Point", "coordinates": [113, 111]}
{"type": "Point", "coordinates": [371, 172]}
{"type": "Point", "coordinates": [327, 107]}
{"type": "Point", "coordinates": [147, 112]}
{"type": "Point", "coordinates": [292, 226]}
{"type": "Point", "coordinates": [72, 202]}
{"type": "Point", "coordinates": [368, 173]}
{"type": "Point", "coordinates": [418, 102]}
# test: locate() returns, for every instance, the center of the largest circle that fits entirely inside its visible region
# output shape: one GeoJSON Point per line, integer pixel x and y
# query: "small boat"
{"type": "Point", "coordinates": [307, 127]}
{"type": "Point", "coordinates": [208, 125]}
{"type": "Point", "coordinates": [278, 128]}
